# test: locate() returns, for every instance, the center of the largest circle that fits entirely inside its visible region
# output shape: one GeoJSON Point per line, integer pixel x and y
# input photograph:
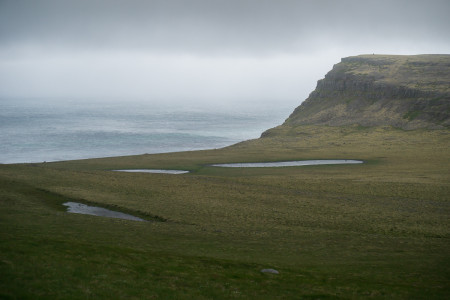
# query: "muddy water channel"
{"type": "Point", "coordinates": [78, 208]}
{"type": "Point", "coordinates": [290, 163]}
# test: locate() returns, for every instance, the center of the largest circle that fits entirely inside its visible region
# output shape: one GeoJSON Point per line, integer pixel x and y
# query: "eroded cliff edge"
{"type": "Point", "coordinates": [407, 92]}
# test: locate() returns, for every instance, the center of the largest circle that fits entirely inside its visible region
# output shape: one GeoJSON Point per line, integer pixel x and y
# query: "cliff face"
{"type": "Point", "coordinates": [407, 92]}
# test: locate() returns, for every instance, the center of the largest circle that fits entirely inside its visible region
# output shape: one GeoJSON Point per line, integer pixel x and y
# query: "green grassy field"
{"type": "Point", "coordinates": [373, 230]}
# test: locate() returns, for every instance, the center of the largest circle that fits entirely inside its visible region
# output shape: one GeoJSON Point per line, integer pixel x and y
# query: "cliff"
{"type": "Point", "coordinates": [407, 92]}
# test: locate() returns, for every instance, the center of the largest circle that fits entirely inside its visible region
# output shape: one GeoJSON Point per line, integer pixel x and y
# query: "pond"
{"type": "Point", "coordinates": [157, 171]}
{"type": "Point", "coordinates": [78, 208]}
{"type": "Point", "coordinates": [289, 163]}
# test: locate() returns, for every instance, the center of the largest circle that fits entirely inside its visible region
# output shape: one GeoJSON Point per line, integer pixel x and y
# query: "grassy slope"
{"type": "Point", "coordinates": [380, 229]}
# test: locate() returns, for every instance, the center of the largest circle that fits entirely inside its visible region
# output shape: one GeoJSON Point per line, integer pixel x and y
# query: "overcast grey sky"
{"type": "Point", "coordinates": [209, 50]}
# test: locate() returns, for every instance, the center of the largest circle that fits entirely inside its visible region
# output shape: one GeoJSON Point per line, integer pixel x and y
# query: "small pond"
{"type": "Point", "coordinates": [78, 208]}
{"type": "Point", "coordinates": [290, 163]}
{"type": "Point", "coordinates": [154, 171]}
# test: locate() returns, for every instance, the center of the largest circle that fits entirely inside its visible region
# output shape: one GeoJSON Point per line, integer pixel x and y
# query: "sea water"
{"type": "Point", "coordinates": [37, 130]}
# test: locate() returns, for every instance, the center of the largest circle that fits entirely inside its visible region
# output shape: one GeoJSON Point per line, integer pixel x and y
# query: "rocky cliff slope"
{"type": "Point", "coordinates": [407, 92]}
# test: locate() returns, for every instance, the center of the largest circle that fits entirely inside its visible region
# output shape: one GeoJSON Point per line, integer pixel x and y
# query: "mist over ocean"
{"type": "Point", "coordinates": [37, 130]}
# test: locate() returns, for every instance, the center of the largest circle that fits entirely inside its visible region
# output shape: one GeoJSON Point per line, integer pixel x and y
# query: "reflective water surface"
{"type": "Point", "coordinates": [154, 171]}
{"type": "Point", "coordinates": [78, 208]}
{"type": "Point", "coordinates": [290, 163]}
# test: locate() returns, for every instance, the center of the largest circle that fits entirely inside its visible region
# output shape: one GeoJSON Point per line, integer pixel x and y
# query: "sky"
{"type": "Point", "coordinates": [201, 50]}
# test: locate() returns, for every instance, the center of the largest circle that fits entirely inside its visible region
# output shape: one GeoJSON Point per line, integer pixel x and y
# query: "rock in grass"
{"type": "Point", "coordinates": [272, 271]}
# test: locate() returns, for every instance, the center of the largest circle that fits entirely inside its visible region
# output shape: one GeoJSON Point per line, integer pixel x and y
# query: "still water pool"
{"type": "Point", "coordinates": [157, 171]}
{"type": "Point", "coordinates": [78, 208]}
{"type": "Point", "coordinates": [289, 163]}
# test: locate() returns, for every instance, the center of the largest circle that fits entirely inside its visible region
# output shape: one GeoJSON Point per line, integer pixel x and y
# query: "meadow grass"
{"type": "Point", "coordinates": [373, 230]}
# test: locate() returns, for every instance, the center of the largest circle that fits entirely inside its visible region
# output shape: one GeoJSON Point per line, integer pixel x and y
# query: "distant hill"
{"type": "Point", "coordinates": [407, 92]}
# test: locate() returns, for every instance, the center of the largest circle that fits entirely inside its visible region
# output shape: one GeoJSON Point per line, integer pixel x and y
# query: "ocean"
{"type": "Point", "coordinates": [37, 130]}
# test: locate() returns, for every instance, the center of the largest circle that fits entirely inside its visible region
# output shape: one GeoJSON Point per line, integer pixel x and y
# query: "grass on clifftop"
{"type": "Point", "coordinates": [373, 230]}
{"type": "Point", "coordinates": [428, 72]}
